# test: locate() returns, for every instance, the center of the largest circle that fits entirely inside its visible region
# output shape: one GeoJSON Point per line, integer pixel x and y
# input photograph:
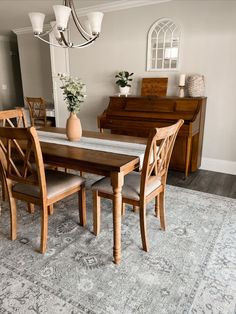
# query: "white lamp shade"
{"type": "Point", "coordinates": [37, 20]}
{"type": "Point", "coordinates": [95, 21]}
{"type": "Point", "coordinates": [87, 26]}
{"type": "Point", "coordinates": [62, 14]}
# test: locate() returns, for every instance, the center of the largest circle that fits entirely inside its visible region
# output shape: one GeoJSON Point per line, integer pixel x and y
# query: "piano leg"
{"type": "Point", "coordinates": [188, 155]}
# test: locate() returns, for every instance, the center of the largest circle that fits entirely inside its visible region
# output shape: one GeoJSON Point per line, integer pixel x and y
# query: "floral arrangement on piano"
{"type": "Point", "coordinates": [74, 91]}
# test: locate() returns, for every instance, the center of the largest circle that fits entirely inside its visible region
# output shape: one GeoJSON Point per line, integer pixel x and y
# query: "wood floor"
{"type": "Point", "coordinates": [205, 181]}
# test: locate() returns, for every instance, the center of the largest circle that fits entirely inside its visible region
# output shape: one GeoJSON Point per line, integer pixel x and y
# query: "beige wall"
{"type": "Point", "coordinates": [208, 46]}
{"type": "Point", "coordinates": [35, 67]}
{"type": "Point", "coordinates": [10, 82]}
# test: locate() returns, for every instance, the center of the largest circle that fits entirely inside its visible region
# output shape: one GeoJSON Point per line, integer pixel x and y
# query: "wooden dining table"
{"type": "Point", "coordinates": [109, 164]}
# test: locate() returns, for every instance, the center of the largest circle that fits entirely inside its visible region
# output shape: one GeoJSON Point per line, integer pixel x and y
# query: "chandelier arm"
{"type": "Point", "coordinates": [48, 42]}
{"type": "Point", "coordinates": [87, 43]}
{"type": "Point", "coordinates": [79, 26]}
{"type": "Point", "coordinates": [66, 43]}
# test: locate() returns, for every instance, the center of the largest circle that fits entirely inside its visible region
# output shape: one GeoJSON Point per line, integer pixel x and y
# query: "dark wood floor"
{"type": "Point", "coordinates": [205, 181]}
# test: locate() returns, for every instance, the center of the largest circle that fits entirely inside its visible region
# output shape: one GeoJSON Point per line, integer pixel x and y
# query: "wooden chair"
{"type": "Point", "coordinates": [141, 187]}
{"type": "Point", "coordinates": [11, 118]}
{"type": "Point", "coordinates": [34, 184]}
{"type": "Point", "coordinates": [37, 111]}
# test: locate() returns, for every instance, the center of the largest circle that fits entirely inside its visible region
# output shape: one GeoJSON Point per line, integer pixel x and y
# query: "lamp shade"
{"type": "Point", "coordinates": [87, 26]}
{"type": "Point", "coordinates": [95, 21]}
{"type": "Point", "coordinates": [62, 14]}
{"type": "Point", "coordinates": [37, 19]}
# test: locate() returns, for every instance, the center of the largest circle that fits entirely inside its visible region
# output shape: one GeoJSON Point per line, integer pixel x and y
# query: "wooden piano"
{"type": "Point", "coordinates": [134, 115]}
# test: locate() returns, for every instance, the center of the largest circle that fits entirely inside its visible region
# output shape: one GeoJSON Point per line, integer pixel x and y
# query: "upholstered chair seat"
{"type": "Point", "coordinates": [131, 187]}
{"type": "Point", "coordinates": [56, 182]}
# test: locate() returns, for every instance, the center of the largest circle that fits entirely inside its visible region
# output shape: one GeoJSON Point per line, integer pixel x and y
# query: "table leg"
{"type": "Point", "coordinates": [117, 180]}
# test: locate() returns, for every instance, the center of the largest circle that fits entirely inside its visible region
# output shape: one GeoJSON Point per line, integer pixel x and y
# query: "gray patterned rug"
{"type": "Point", "coordinates": [191, 268]}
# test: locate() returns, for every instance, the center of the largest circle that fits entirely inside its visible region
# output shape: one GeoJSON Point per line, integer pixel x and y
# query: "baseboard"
{"type": "Point", "coordinates": [219, 165]}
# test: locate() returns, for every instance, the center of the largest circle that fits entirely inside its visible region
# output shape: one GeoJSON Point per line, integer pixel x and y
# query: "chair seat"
{"type": "Point", "coordinates": [57, 182]}
{"type": "Point", "coordinates": [131, 187]}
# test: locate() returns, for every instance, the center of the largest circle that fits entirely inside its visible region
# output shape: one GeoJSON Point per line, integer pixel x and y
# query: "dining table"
{"type": "Point", "coordinates": [96, 161]}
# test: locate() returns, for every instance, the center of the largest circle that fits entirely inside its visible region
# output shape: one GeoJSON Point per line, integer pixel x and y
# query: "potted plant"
{"type": "Point", "coordinates": [74, 92]}
{"type": "Point", "coordinates": [124, 79]}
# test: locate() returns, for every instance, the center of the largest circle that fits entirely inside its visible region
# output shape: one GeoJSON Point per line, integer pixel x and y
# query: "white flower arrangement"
{"type": "Point", "coordinates": [74, 91]}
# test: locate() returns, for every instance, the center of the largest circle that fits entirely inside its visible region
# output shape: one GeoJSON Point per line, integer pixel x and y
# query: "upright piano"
{"type": "Point", "coordinates": [135, 115]}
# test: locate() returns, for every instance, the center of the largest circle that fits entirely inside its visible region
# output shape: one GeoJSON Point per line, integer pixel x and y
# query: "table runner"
{"type": "Point", "coordinates": [117, 147]}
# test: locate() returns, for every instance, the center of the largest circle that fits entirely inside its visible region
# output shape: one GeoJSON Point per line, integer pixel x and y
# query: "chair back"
{"type": "Point", "coordinates": [157, 154]}
{"type": "Point", "coordinates": [13, 118]}
{"type": "Point", "coordinates": [19, 149]}
{"type": "Point", "coordinates": [37, 110]}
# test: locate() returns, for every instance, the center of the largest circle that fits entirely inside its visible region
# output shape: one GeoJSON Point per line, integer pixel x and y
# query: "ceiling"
{"type": "Point", "coordinates": [14, 13]}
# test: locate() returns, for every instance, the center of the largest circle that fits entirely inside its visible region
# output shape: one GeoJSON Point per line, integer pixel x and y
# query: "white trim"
{"type": "Point", "coordinates": [219, 165]}
{"type": "Point", "coordinates": [28, 29]}
{"type": "Point", "coordinates": [118, 5]}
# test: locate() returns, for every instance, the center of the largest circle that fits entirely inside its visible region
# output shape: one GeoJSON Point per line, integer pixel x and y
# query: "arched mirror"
{"type": "Point", "coordinates": [163, 45]}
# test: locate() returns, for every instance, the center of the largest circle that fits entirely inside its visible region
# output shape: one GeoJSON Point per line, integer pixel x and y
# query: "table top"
{"type": "Point", "coordinates": [88, 160]}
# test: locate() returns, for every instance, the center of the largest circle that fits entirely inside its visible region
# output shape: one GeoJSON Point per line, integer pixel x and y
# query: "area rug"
{"type": "Point", "coordinates": [190, 268]}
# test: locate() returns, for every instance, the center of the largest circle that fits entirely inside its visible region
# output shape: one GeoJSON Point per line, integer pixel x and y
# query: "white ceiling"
{"type": "Point", "coordinates": [14, 13]}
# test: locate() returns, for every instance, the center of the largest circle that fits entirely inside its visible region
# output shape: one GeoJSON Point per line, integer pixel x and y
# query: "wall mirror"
{"type": "Point", "coordinates": [163, 45]}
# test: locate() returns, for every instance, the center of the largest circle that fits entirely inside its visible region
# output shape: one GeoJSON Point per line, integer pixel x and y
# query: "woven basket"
{"type": "Point", "coordinates": [196, 85]}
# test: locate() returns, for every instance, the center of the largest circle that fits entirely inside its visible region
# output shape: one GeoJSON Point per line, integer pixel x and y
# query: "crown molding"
{"type": "Point", "coordinates": [28, 29]}
{"type": "Point", "coordinates": [105, 7]}
{"type": "Point", "coordinates": [118, 5]}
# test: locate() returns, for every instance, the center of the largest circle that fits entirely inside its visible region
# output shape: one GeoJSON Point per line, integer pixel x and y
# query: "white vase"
{"type": "Point", "coordinates": [73, 128]}
{"type": "Point", "coordinates": [124, 90]}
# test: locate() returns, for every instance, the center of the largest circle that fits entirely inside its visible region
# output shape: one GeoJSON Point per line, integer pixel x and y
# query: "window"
{"type": "Point", "coordinates": [163, 46]}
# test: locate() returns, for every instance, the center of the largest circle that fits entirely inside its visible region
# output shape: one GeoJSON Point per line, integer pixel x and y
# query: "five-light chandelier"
{"type": "Point", "coordinates": [90, 31]}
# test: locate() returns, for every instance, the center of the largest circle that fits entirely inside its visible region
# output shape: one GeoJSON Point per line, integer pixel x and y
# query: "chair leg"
{"type": "Point", "coordinates": [123, 209]}
{"type": "Point", "coordinates": [31, 208]}
{"type": "Point", "coordinates": [162, 210]}
{"type": "Point", "coordinates": [157, 204]}
{"type": "Point", "coordinates": [82, 206]}
{"type": "Point", "coordinates": [50, 209]}
{"type": "Point", "coordinates": [44, 229]}
{"type": "Point", "coordinates": [13, 214]}
{"type": "Point", "coordinates": [96, 213]}
{"type": "Point", "coordinates": [143, 229]}
{"type": "Point", "coordinates": [135, 209]}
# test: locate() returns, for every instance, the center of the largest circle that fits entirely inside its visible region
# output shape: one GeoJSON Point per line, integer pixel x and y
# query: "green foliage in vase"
{"type": "Point", "coordinates": [74, 91]}
{"type": "Point", "coordinates": [124, 78]}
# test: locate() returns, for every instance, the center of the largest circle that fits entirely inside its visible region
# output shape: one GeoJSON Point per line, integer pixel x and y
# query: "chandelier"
{"type": "Point", "coordinates": [90, 31]}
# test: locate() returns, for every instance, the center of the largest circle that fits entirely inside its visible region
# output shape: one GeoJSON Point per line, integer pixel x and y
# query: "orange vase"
{"type": "Point", "coordinates": [73, 128]}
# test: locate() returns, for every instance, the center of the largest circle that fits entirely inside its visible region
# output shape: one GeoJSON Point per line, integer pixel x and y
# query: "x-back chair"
{"type": "Point", "coordinates": [37, 110]}
{"type": "Point", "coordinates": [141, 187]}
{"type": "Point", "coordinates": [13, 118]}
{"type": "Point", "coordinates": [34, 184]}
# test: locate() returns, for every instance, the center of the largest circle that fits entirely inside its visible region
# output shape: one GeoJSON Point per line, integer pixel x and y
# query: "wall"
{"type": "Point", "coordinates": [35, 67]}
{"type": "Point", "coordinates": [208, 46]}
{"type": "Point", "coordinates": [10, 80]}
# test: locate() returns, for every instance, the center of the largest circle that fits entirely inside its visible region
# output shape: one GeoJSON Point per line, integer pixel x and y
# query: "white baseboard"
{"type": "Point", "coordinates": [219, 165]}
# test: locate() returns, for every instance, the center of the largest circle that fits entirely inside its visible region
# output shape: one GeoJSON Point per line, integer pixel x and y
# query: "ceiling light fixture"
{"type": "Point", "coordinates": [90, 31]}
